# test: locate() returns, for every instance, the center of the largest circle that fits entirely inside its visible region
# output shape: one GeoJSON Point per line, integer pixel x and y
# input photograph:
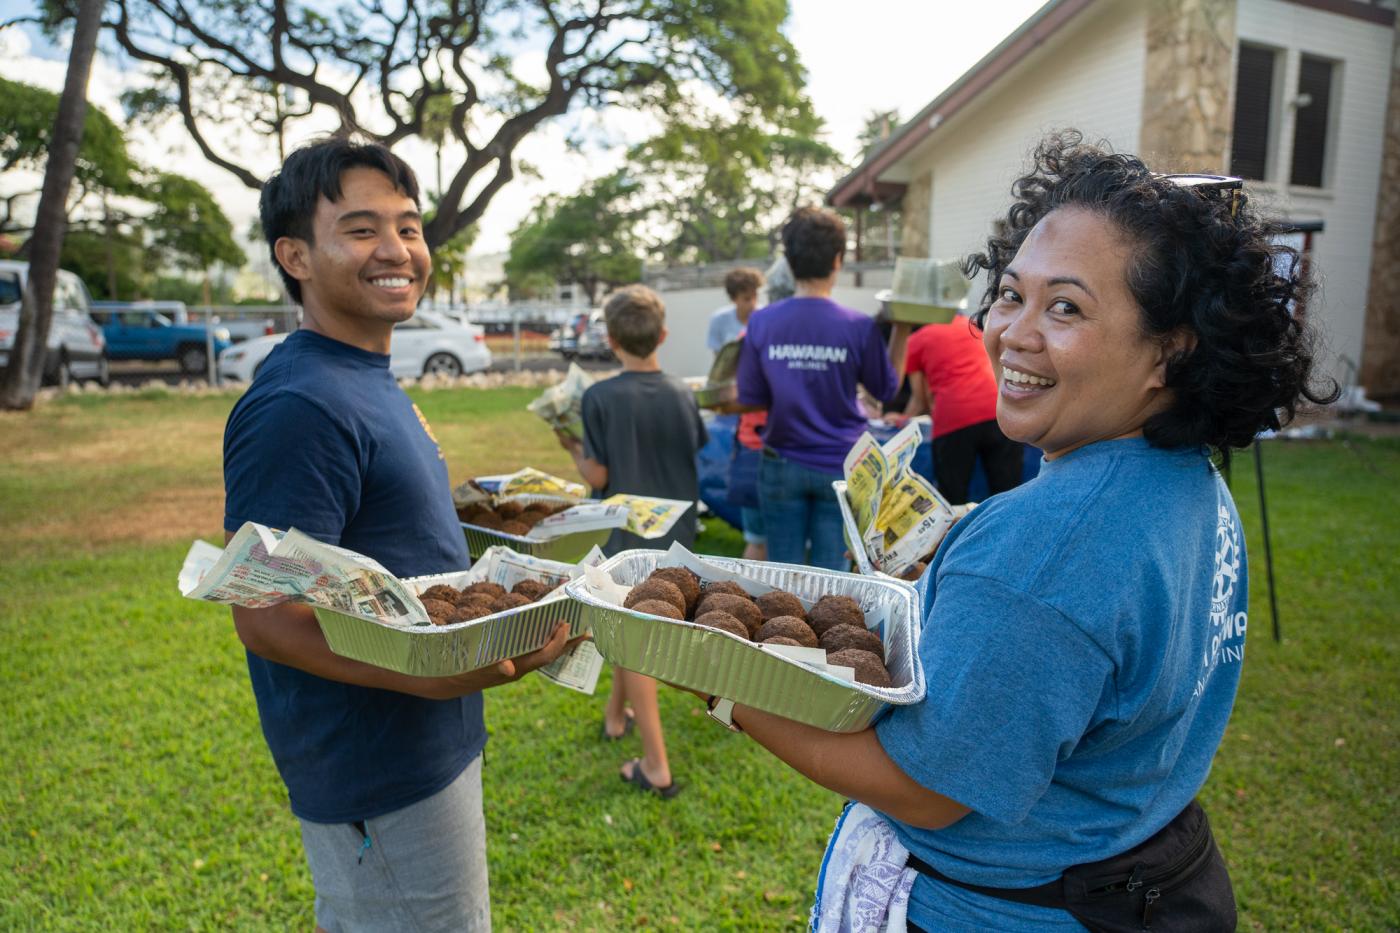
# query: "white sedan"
{"type": "Point", "coordinates": [427, 343]}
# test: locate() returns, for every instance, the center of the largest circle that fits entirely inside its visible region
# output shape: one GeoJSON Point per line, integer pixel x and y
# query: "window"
{"type": "Point", "coordinates": [1312, 108]}
{"type": "Point", "coordinates": [1254, 95]}
{"type": "Point", "coordinates": [9, 289]}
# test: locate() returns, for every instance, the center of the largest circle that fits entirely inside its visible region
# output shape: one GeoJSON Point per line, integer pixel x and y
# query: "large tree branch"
{"type": "Point", "coordinates": [181, 75]}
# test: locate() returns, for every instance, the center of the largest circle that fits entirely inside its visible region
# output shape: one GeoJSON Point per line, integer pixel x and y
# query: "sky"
{"type": "Point", "coordinates": [891, 54]}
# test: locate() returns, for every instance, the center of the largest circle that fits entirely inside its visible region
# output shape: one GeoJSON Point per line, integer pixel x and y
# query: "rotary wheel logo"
{"type": "Point", "coordinates": [1227, 565]}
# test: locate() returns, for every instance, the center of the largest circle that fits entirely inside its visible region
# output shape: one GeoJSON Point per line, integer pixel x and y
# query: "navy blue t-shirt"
{"type": "Point", "coordinates": [326, 442]}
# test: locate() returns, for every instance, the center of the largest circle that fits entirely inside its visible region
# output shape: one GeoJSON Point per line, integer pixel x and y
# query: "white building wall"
{"type": "Point", "coordinates": [1347, 203]}
{"type": "Point", "coordinates": [1088, 76]}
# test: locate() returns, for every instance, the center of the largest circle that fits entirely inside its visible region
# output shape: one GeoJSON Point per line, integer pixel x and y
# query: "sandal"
{"type": "Point", "coordinates": [629, 724]}
{"type": "Point", "coordinates": [640, 780]}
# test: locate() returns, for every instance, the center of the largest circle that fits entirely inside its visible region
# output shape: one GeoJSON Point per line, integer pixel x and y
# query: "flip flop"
{"type": "Point", "coordinates": [628, 726]}
{"type": "Point", "coordinates": [640, 781]}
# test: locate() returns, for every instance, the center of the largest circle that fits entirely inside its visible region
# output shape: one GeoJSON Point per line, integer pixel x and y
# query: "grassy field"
{"type": "Point", "coordinates": [138, 793]}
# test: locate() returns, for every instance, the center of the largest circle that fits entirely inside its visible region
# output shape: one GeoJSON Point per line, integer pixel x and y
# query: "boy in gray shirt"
{"type": "Point", "coordinates": [641, 432]}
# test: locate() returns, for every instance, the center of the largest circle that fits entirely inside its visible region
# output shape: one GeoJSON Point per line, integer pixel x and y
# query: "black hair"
{"type": "Point", "coordinates": [287, 206]}
{"type": "Point", "coordinates": [1198, 266]}
{"type": "Point", "coordinates": [812, 240]}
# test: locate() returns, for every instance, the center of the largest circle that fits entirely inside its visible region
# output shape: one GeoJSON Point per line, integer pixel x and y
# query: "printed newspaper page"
{"type": "Point", "coordinates": [899, 516]}
{"type": "Point", "coordinates": [261, 567]}
{"type": "Point", "coordinates": [649, 517]}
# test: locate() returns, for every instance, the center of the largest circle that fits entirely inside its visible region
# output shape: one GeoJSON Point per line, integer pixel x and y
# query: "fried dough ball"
{"type": "Point", "coordinates": [513, 527]}
{"type": "Point", "coordinates": [843, 636]}
{"type": "Point", "coordinates": [439, 609]}
{"type": "Point", "coordinates": [725, 586]}
{"type": "Point", "coordinates": [685, 581]}
{"type": "Point", "coordinates": [471, 513]}
{"type": "Point", "coordinates": [488, 519]}
{"type": "Point", "coordinates": [787, 627]}
{"type": "Point", "coordinates": [531, 589]}
{"type": "Point", "coordinates": [835, 610]}
{"type": "Point", "coordinates": [738, 606]}
{"type": "Point", "coordinates": [782, 640]}
{"type": "Point", "coordinates": [483, 588]}
{"type": "Point", "coordinates": [658, 607]}
{"type": "Point", "coordinates": [440, 591]}
{"type": "Point", "coordinates": [724, 622]}
{"type": "Point", "coordinates": [509, 601]}
{"type": "Point", "coordinates": [531, 517]}
{"type": "Point", "coordinates": [870, 669]}
{"type": "Point", "coordinates": [479, 603]}
{"type": "Point", "coordinates": [780, 603]}
{"type": "Point", "coordinates": [468, 611]}
{"type": "Point", "coordinates": [664, 590]}
{"type": "Point", "coordinates": [510, 510]}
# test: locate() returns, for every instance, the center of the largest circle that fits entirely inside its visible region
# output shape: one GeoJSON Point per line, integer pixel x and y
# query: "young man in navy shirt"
{"type": "Point", "coordinates": [382, 769]}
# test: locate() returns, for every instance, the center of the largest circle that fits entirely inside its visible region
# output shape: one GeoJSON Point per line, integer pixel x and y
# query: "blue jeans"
{"type": "Point", "coordinates": [800, 511]}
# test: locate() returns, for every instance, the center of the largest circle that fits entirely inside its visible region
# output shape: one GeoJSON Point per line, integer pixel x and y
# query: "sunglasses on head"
{"type": "Point", "coordinates": [1215, 184]}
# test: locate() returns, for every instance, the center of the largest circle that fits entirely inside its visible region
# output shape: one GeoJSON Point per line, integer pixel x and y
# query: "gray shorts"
{"type": "Point", "coordinates": [424, 868]}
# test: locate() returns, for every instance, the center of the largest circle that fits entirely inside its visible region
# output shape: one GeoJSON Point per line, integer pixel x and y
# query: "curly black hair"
{"type": "Point", "coordinates": [1196, 266]}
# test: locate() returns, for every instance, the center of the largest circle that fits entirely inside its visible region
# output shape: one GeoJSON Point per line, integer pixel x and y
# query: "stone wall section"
{"type": "Point", "coordinates": [1380, 348]}
{"type": "Point", "coordinates": [1186, 107]}
{"type": "Point", "coordinates": [917, 206]}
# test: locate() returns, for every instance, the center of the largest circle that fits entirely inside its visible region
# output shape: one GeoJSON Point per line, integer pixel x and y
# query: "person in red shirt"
{"type": "Point", "coordinates": [951, 378]}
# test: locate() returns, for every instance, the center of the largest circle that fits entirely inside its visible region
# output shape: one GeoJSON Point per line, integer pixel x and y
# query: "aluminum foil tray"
{"type": "Point", "coordinates": [716, 662]}
{"type": "Point", "coordinates": [566, 548]}
{"type": "Point", "coordinates": [910, 312]}
{"type": "Point", "coordinates": [853, 542]}
{"type": "Point", "coordinates": [444, 650]}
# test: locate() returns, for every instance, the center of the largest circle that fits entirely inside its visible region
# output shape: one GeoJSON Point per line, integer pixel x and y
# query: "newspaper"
{"type": "Point", "coordinates": [647, 516]}
{"type": "Point", "coordinates": [899, 515]}
{"type": "Point", "coordinates": [530, 481]}
{"type": "Point", "coordinates": [262, 567]}
{"type": "Point", "coordinates": [561, 405]}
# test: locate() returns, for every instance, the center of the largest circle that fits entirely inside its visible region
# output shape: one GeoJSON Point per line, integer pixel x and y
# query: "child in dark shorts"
{"type": "Point", "coordinates": [641, 432]}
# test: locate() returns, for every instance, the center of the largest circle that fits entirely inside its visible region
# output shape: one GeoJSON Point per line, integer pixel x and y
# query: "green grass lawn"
{"type": "Point", "coordinates": [138, 793]}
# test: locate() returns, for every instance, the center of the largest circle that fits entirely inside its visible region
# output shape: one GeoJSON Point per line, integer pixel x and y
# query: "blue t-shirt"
{"type": "Point", "coordinates": [725, 327]}
{"type": "Point", "coordinates": [1082, 643]}
{"type": "Point", "coordinates": [326, 442]}
{"type": "Point", "coordinates": [801, 360]}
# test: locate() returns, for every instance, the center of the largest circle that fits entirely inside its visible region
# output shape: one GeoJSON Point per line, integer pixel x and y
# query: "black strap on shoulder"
{"type": "Point", "coordinates": [1049, 894]}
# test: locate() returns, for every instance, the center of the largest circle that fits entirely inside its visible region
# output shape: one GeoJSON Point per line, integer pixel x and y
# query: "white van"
{"type": "Point", "coordinates": [77, 349]}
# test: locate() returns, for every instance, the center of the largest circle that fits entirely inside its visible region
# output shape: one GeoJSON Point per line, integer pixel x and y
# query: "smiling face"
{"type": "Point", "coordinates": [1065, 338]}
{"type": "Point", "coordinates": [368, 265]}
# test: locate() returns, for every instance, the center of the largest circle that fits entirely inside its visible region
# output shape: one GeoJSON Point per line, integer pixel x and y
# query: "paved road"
{"type": "Point", "coordinates": [131, 372]}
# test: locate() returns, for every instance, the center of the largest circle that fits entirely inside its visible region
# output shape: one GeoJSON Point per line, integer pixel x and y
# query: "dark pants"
{"type": "Point", "coordinates": [956, 453]}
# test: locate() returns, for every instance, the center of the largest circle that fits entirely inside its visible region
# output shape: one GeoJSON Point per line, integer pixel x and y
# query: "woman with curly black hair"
{"type": "Point", "coordinates": [1083, 634]}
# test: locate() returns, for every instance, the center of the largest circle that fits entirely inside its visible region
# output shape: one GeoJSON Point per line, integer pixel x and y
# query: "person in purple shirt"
{"type": "Point", "coordinates": [802, 361]}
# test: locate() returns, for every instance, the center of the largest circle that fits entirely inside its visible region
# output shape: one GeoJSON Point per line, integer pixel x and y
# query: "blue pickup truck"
{"type": "Point", "coordinates": [149, 333]}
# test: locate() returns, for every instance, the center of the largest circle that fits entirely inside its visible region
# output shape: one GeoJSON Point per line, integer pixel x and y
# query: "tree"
{"type": "Point", "coordinates": [720, 189]}
{"type": "Point", "coordinates": [379, 70]}
{"type": "Point", "coordinates": [126, 223]}
{"type": "Point", "coordinates": [25, 366]}
{"type": "Point", "coordinates": [879, 125]}
{"type": "Point", "coordinates": [588, 239]}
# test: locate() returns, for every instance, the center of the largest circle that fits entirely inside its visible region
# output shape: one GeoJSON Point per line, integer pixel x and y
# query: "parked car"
{"type": "Point", "coordinates": [583, 336]}
{"type": "Point", "coordinates": [140, 332]}
{"type": "Point", "coordinates": [426, 343]}
{"type": "Point", "coordinates": [76, 347]}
